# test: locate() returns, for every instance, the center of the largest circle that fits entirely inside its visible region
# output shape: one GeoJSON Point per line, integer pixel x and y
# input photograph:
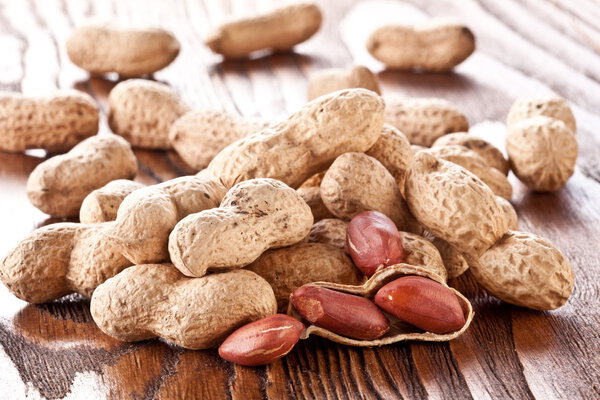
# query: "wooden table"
{"type": "Point", "coordinates": [524, 48]}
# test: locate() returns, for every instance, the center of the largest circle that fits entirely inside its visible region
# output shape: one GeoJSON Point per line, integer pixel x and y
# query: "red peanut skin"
{"type": "Point", "coordinates": [373, 242]}
{"type": "Point", "coordinates": [262, 342]}
{"type": "Point", "coordinates": [423, 303]}
{"type": "Point", "coordinates": [345, 314]}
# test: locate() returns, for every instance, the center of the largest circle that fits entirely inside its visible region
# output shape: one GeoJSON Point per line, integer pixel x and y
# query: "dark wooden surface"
{"type": "Point", "coordinates": [524, 48]}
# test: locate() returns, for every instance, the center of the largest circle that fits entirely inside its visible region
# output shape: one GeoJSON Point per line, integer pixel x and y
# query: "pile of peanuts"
{"type": "Point", "coordinates": [345, 220]}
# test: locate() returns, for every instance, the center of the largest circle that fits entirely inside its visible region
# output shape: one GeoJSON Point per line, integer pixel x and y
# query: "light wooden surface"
{"type": "Point", "coordinates": [524, 48]}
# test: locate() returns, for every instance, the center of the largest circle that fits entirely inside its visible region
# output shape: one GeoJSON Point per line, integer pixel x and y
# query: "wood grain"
{"type": "Point", "coordinates": [523, 48]}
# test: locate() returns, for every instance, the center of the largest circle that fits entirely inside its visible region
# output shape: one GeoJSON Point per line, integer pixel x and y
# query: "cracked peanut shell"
{"type": "Point", "coordinates": [399, 331]}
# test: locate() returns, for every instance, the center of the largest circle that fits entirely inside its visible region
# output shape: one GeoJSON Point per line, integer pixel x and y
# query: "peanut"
{"type": "Point", "coordinates": [312, 197]}
{"type": "Point", "coordinates": [373, 242]}
{"type": "Point", "coordinates": [148, 215]}
{"type": "Point", "coordinates": [143, 111]}
{"type": "Point", "coordinates": [349, 186]}
{"type": "Point", "coordinates": [471, 161]}
{"type": "Point", "coordinates": [454, 262]}
{"type": "Point", "coordinates": [438, 45]}
{"type": "Point", "coordinates": [490, 154]}
{"type": "Point", "coordinates": [199, 135]}
{"type": "Point", "coordinates": [510, 214]}
{"type": "Point", "coordinates": [58, 185]}
{"type": "Point", "coordinates": [65, 258]}
{"type": "Point", "coordinates": [263, 341]}
{"type": "Point", "coordinates": [104, 48]}
{"type": "Point", "coordinates": [254, 216]}
{"type": "Point", "coordinates": [398, 331]}
{"type": "Point", "coordinates": [60, 259]}
{"type": "Point", "coordinates": [288, 268]}
{"type": "Point", "coordinates": [278, 30]}
{"type": "Point", "coordinates": [552, 106]}
{"type": "Point", "coordinates": [422, 253]}
{"type": "Point", "coordinates": [56, 122]}
{"type": "Point", "coordinates": [416, 147]}
{"type": "Point", "coordinates": [313, 181]}
{"type": "Point", "coordinates": [352, 316]}
{"type": "Point", "coordinates": [334, 79]}
{"type": "Point", "coordinates": [392, 149]}
{"type": "Point", "coordinates": [195, 313]}
{"type": "Point", "coordinates": [306, 143]}
{"type": "Point", "coordinates": [330, 231]}
{"type": "Point", "coordinates": [423, 303]}
{"type": "Point", "coordinates": [424, 120]}
{"type": "Point", "coordinates": [453, 204]}
{"type": "Point", "coordinates": [102, 204]}
{"type": "Point", "coordinates": [542, 152]}
{"type": "Point", "coordinates": [526, 270]}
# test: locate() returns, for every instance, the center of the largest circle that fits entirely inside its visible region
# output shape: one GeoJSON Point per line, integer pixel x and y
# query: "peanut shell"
{"type": "Point", "coordinates": [453, 204]}
{"type": "Point", "coordinates": [199, 135]}
{"type": "Point", "coordinates": [102, 204]}
{"type": "Point", "coordinates": [288, 268]}
{"type": "Point", "coordinates": [254, 216]}
{"type": "Point", "coordinates": [399, 331]}
{"type": "Point", "coordinates": [510, 214]}
{"type": "Point", "coordinates": [156, 300]}
{"type": "Point", "coordinates": [542, 152]}
{"type": "Point", "coordinates": [526, 270]}
{"type": "Point", "coordinates": [306, 143]}
{"type": "Point", "coordinates": [55, 122]}
{"type": "Point", "coordinates": [490, 154]}
{"type": "Point", "coordinates": [103, 48]}
{"type": "Point", "coordinates": [143, 111]}
{"type": "Point", "coordinates": [278, 30]}
{"type": "Point", "coordinates": [421, 253]}
{"type": "Point", "coordinates": [330, 231]}
{"type": "Point", "coordinates": [552, 106]}
{"type": "Point", "coordinates": [350, 185]}
{"type": "Point", "coordinates": [312, 197]}
{"type": "Point", "coordinates": [392, 149]}
{"type": "Point", "coordinates": [423, 120]}
{"type": "Point", "coordinates": [334, 79]}
{"type": "Point", "coordinates": [58, 185]}
{"type": "Point", "coordinates": [437, 45]}
{"type": "Point", "coordinates": [471, 161]}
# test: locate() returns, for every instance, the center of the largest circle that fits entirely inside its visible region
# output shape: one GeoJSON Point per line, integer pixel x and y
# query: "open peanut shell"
{"type": "Point", "coordinates": [399, 331]}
